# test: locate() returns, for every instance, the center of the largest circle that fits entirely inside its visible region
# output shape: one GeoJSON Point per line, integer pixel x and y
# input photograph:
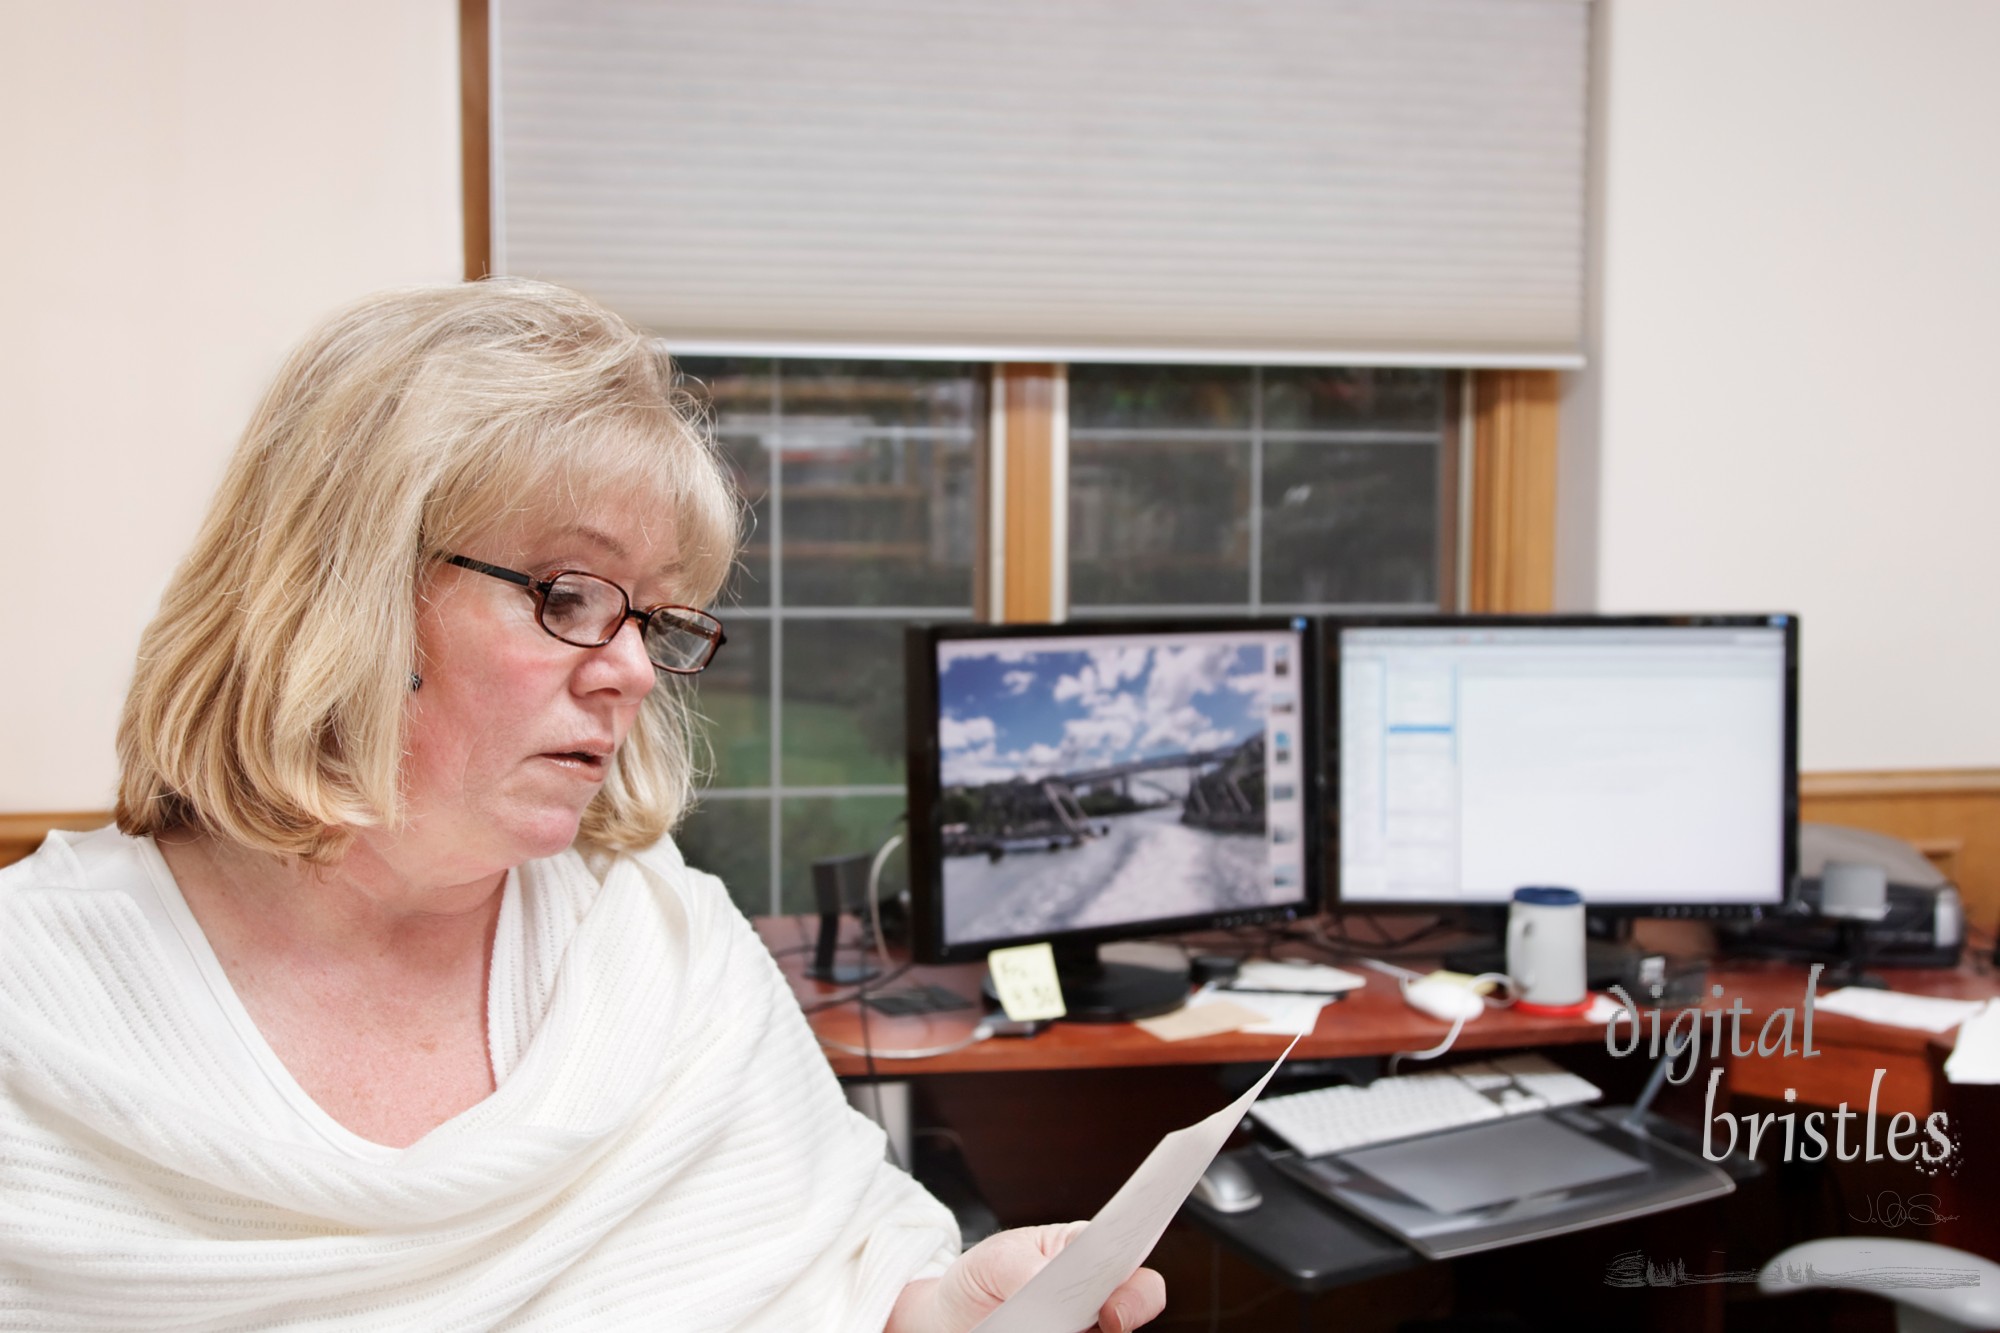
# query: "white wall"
{"type": "Point", "coordinates": [1792, 402]}
{"type": "Point", "coordinates": [190, 187]}
{"type": "Point", "coordinates": [1798, 277]}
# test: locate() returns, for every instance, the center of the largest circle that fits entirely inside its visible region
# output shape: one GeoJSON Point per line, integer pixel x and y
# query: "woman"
{"type": "Point", "coordinates": [388, 1002]}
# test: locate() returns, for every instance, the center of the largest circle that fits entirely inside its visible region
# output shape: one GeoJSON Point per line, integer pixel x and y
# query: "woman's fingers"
{"type": "Point", "coordinates": [1138, 1300]}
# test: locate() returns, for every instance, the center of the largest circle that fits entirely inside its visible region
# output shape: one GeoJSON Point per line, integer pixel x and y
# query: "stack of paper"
{"type": "Point", "coordinates": [1211, 1010]}
{"type": "Point", "coordinates": [1976, 1058]}
{"type": "Point", "coordinates": [1263, 974]}
{"type": "Point", "coordinates": [1896, 1009]}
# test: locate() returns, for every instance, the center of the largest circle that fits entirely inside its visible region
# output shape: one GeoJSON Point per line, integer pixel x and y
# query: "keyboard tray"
{"type": "Point", "coordinates": [1634, 1175]}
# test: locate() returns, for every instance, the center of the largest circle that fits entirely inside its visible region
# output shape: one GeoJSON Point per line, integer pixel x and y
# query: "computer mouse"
{"type": "Point", "coordinates": [1226, 1187]}
{"type": "Point", "coordinates": [1444, 1000]}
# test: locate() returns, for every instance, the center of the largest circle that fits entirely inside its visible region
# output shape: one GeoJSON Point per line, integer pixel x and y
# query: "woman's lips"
{"type": "Point", "coordinates": [583, 763]}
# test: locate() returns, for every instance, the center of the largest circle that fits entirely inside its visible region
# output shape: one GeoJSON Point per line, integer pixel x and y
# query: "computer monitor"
{"type": "Point", "coordinates": [1649, 762]}
{"type": "Point", "coordinates": [1105, 780]}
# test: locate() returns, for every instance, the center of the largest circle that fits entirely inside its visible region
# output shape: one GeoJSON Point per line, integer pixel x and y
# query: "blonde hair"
{"type": "Point", "coordinates": [268, 706]}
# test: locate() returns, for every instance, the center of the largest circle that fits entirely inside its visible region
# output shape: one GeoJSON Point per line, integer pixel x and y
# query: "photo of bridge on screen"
{"type": "Point", "coordinates": [1096, 783]}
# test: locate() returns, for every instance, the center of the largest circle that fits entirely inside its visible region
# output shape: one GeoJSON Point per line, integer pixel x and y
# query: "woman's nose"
{"type": "Point", "coordinates": [625, 664]}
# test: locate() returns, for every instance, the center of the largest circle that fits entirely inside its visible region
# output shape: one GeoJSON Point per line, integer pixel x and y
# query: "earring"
{"type": "Point", "coordinates": [416, 681]}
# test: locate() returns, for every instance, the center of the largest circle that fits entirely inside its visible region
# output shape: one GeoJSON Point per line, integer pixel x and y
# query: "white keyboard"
{"type": "Point", "coordinates": [1329, 1120]}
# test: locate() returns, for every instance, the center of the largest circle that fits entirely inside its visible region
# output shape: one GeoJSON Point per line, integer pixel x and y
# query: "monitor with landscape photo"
{"type": "Point", "coordinates": [1085, 782]}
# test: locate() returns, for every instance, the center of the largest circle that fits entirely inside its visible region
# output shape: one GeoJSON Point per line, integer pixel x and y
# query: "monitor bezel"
{"type": "Point", "coordinates": [924, 779]}
{"type": "Point", "coordinates": [1331, 646]}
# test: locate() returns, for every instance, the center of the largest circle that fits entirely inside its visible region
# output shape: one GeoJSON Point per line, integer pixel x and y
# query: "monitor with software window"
{"type": "Point", "coordinates": [1649, 762]}
{"type": "Point", "coordinates": [1095, 781]}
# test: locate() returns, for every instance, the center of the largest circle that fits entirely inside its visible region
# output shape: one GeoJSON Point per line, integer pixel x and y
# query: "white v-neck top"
{"type": "Point", "coordinates": [117, 863]}
{"type": "Point", "coordinates": [665, 1146]}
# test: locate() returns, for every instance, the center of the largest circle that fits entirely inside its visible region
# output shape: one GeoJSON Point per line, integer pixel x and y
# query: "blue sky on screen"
{"type": "Point", "coordinates": [1009, 710]}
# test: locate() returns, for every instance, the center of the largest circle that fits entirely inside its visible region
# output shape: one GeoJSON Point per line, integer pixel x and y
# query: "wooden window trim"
{"type": "Point", "coordinates": [1030, 469]}
{"type": "Point", "coordinates": [475, 114]}
{"type": "Point", "coordinates": [1513, 564]}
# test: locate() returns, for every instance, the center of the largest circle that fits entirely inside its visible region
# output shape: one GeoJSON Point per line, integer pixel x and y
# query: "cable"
{"type": "Point", "coordinates": [875, 982]}
{"type": "Point", "coordinates": [875, 1091]}
{"type": "Point", "coordinates": [874, 902]}
{"type": "Point", "coordinates": [1457, 1024]}
{"type": "Point", "coordinates": [1340, 943]}
{"type": "Point", "coordinates": [1402, 974]}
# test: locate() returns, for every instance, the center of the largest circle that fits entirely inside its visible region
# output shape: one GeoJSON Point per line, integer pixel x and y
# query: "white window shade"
{"type": "Point", "coordinates": [1330, 181]}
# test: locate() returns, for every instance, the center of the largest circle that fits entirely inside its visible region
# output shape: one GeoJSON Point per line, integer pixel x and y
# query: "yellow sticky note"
{"type": "Point", "coordinates": [1024, 977]}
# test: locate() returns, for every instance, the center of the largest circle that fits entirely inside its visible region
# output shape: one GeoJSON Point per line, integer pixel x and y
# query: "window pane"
{"type": "Point", "coordinates": [815, 827]}
{"type": "Point", "coordinates": [928, 394]}
{"type": "Point", "coordinates": [749, 583]}
{"type": "Point", "coordinates": [843, 715]}
{"type": "Point", "coordinates": [730, 837]}
{"type": "Point", "coordinates": [1301, 487]}
{"type": "Point", "coordinates": [1159, 522]}
{"type": "Point", "coordinates": [733, 697]}
{"type": "Point", "coordinates": [1181, 397]}
{"type": "Point", "coordinates": [1347, 396]}
{"type": "Point", "coordinates": [738, 395]}
{"type": "Point", "coordinates": [875, 519]}
{"type": "Point", "coordinates": [1350, 524]}
{"type": "Point", "coordinates": [864, 495]}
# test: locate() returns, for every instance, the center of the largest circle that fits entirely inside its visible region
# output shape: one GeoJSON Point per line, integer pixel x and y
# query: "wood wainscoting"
{"type": "Point", "coordinates": [1951, 815]}
{"type": "Point", "coordinates": [21, 834]}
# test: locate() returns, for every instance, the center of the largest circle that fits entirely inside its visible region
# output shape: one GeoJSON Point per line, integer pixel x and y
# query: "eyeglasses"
{"type": "Point", "coordinates": [588, 611]}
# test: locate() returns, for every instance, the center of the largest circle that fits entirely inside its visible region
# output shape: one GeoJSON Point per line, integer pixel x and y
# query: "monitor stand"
{"type": "Point", "coordinates": [1095, 991]}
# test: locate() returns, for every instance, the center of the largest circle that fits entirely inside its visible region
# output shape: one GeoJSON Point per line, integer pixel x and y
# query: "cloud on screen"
{"type": "Point", "coordinates": [1133, 701]}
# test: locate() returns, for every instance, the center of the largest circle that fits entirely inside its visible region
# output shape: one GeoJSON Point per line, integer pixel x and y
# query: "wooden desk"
{"type": "Point", "coordinates": [1081, 1104]}
{"type": "Point", "coordinates": [1374, 1021]}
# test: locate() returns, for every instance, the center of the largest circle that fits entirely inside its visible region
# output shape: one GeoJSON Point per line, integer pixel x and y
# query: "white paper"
{"type": "Point", "coordinates": [1261, 974]}
{"type": "Point", "coordinates": [1603, 1009]}
{"type": "Point", "coordinates": [1896, 1009]}
{"type": "Point", "coordinates": [1976, 1057]}
{"type": "Point", "coordinates": [1283, 1015]}
{"type": "Point", "coordinates": [1067, 1294]}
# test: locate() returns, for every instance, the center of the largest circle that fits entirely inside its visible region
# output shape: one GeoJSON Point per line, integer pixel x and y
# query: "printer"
{"type": "Point", "coordinates": [1925, 926]}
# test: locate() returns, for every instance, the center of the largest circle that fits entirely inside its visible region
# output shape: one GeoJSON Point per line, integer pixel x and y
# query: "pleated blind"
{"type": "Point", "coordinates": [1331, 181]}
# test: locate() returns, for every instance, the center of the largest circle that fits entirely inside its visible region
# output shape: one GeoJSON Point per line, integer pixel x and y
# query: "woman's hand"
{"type": "Point", "coordinates": [1001, 1265]}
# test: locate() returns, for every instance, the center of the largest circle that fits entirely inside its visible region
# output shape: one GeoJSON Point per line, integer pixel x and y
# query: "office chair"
{"type": "Point", "coordinates": [1935, 1288]}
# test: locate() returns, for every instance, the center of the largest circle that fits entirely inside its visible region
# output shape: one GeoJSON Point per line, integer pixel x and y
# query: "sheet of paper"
{"type": "Point", "coordinates": [1024, 977]}
{"type": "Point", "coordinates": [1272, 1015]}
{"type": "Point", "coordinates": [1896, 1009]}
{"type": "Point", "coordinates": [1201, 1016]}
{"type": "Point", "coordinates": [1264, 974]}
{"type": "Point", "coordinates": [1603, 1009]}
{"type": "Point", "coordinates": [1066, 1295]}
{"type": "Point", "coordinates": [1976, 1057]}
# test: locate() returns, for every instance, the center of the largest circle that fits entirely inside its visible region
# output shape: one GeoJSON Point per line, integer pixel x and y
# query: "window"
{"type": "Point", "coordinates": [1217, 488]}
{"type": "Point", "coordinates": [1208, 488]}
{"type": "Point", "coordinates": [860, 477]}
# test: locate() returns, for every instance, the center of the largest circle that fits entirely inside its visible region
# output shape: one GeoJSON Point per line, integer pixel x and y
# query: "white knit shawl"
{"type": "Point", "coordinates": [666, 1148]}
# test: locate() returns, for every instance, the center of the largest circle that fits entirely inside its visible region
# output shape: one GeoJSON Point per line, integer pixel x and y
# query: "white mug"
{"type": "Point", "coordinates": [1545, 949]}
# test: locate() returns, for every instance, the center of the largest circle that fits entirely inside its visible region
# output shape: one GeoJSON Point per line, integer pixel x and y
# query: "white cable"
{"type": "Point", "coordinates": [1457, 1024]}
{"type": "Point", "coordinates": [1389, 969]}
{"type": "Point", "coordinates": [979, 1034]}
{"type": "Point", "coordinates": [1434, 1052]}
{"type": "Point", "coordinates": [874, 903]}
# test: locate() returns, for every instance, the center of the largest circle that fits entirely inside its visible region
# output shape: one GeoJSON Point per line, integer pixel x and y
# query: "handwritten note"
{"type": "Point", "coordinates": [1066, 1295]}
{"type": "Point", "coordinates": [1024, 977]}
